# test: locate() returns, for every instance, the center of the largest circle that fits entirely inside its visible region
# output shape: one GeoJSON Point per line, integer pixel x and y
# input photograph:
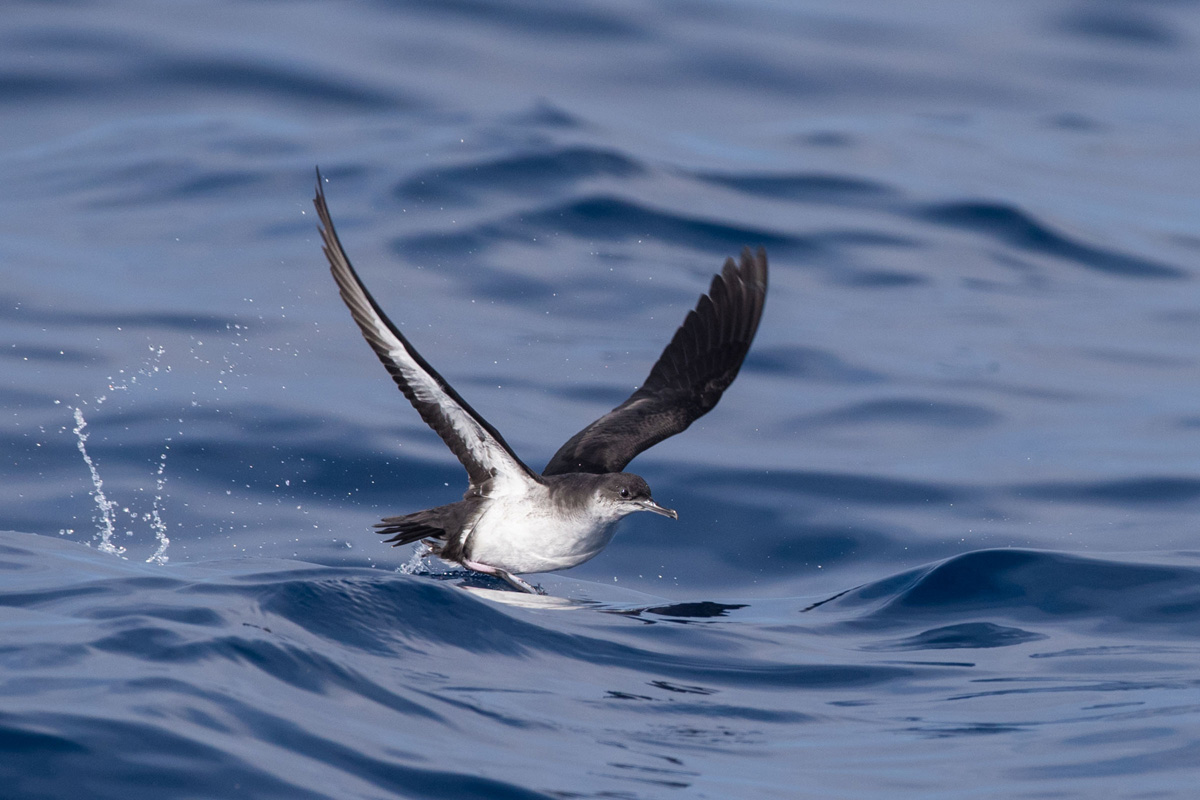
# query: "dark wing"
{"type": "Point", "coordinates": [688, 379]}
{"type": "Point", "coordinates": [479, 446]}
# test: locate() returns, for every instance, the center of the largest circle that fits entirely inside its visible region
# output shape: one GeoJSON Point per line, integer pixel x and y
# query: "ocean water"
{"type": "Point", "coordinates": [940, 539]}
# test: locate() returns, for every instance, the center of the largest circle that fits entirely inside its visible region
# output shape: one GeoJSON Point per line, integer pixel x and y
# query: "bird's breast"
{"type": "Point", "coordinates": [530, 534]}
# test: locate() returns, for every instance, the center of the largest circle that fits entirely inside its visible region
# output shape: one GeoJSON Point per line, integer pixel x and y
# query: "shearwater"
{"type": "Point", "coordinates": [512, 520]}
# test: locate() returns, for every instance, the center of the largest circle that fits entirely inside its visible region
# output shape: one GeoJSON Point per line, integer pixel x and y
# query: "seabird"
{"type": "Point", "coordinates": [512, 520]}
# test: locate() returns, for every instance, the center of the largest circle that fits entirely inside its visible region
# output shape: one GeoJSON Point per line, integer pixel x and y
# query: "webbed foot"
{"type": "Point", "coordinates": [507, 577]}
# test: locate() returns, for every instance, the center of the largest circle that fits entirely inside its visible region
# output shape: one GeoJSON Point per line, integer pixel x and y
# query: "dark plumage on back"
{"type": "Point", "coordinates": [688, 379]}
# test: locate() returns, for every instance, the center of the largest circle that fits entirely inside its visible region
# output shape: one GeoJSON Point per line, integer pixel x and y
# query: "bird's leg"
{"type": "Point", "coordinates": [519, 583]}
{"type": "Point", "coordinates": [507, 577]}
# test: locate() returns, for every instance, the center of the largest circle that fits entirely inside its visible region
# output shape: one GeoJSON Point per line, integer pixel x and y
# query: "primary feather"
{"type": "Point", "coordinates": [688, 379]}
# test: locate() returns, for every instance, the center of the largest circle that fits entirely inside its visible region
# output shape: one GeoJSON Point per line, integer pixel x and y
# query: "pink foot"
{"type": "Point", "coordinates": [508, 577]}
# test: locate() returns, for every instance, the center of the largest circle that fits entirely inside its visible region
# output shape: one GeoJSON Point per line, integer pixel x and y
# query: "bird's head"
{"type": "Point", "coordinates": [625, 493]}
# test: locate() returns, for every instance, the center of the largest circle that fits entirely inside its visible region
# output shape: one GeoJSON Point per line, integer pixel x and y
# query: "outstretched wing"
{"type": "Point", "coordinates": [688, 379]}
{"type": "Point", "coordinates": [479, 446]}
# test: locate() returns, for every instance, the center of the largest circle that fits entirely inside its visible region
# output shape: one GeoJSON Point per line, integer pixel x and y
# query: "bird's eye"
{"type": "Point", "coordinates": [625, 493]}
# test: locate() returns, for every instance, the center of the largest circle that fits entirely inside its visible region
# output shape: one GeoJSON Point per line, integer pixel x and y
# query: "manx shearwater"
{"type": "Point", "coordinates": [512, 520]}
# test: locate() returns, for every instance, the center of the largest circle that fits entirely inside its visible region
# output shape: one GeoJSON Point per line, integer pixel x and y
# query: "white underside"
{"type": "Point", "coordinates": [515, 534]}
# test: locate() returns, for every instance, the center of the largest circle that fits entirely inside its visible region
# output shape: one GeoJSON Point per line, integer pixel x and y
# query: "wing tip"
{"type": "Point", "coordinates": [319, 190]}
{"type": "Point", "coordinates": [752, 265]}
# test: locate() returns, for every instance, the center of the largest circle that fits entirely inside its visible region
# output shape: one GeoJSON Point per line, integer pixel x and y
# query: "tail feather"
{"type": "Point", "coordinates": [432, 523]}
{"type": "Point", "coordinates": [407, 530]}
{"type": "Point", "coordinates": [409, 534]}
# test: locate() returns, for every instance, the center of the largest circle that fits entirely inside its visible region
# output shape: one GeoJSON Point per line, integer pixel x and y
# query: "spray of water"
{"type": "Point", "coordinates": [104, 506]}
{"type": "Point", "coordinates": [417, 564]}
{"type": "Point", "coordinates": [156, 522]}
{"type": "Point", "coordinates": [106, 509]}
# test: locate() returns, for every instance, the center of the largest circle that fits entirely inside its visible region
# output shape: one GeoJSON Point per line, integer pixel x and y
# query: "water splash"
{"type": "Point", "coordinates": [106, 521]}
{"type": "Point", "coordinates": [418, 564]}
{"type": "Point", "coordinates": [156, 522]}
{"type": "Point", "coordinates": [105, 506]}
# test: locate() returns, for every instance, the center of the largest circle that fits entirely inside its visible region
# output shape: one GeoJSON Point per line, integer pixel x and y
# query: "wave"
{"type": "Point", "coordinates": [1017, 228]}
{"type": "Point", "coordinates": [1122, 597]}
{"type": "Point", "coordinates": [518, 173]}
{"type": "Point", "coordinates": [259, 676]}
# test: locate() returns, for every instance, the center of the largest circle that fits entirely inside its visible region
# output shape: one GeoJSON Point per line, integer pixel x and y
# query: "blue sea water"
{"type": "Point", "coordinates": [938, 540]}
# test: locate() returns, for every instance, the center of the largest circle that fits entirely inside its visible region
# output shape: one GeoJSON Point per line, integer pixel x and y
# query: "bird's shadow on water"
{"type": "Point", "coordinates": [704, 609]}
{"type": "Point", "coordinates": [685, 612]}
{"type": "Point", "coordinates": [497, 590]}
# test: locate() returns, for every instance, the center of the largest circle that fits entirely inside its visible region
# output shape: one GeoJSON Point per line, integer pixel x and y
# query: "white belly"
{"type": "Point", "coordinates": [514, 536]}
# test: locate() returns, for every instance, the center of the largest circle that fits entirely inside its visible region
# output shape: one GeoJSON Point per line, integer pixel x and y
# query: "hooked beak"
{"type": "Point", "coordinates": [650, 505]}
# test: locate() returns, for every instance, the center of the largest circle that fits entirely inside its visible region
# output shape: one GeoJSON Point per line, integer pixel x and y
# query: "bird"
{"type": "Point", "coordinates": [511, 520]}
